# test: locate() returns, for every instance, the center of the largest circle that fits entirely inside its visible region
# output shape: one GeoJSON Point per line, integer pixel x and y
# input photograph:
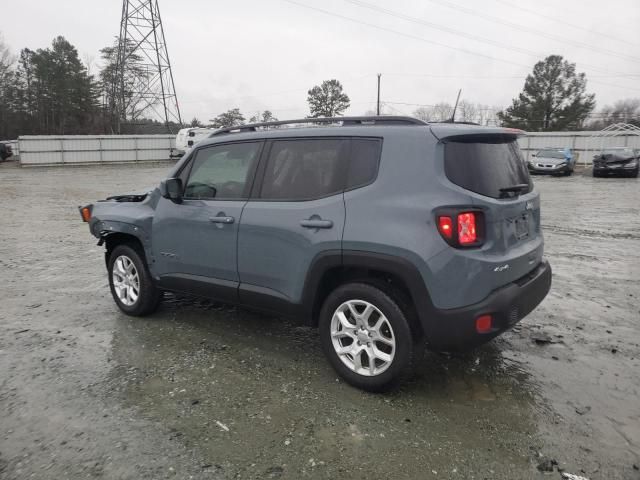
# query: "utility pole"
{"type": "Point", "coordinates": [378, 103]}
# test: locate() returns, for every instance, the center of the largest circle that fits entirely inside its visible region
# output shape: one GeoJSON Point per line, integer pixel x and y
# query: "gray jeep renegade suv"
{"type": "Point", "coordinates": [387, 233]}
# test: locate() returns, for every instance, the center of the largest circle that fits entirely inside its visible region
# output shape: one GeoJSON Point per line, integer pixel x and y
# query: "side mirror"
{"type": "Point", "coordinates": [171, 188]}
{"type": "Point", "coordinates": [533, 155]}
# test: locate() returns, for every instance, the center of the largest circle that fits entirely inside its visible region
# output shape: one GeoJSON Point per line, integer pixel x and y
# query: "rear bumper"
{"type": "Point", "coordinates": [455, 330]}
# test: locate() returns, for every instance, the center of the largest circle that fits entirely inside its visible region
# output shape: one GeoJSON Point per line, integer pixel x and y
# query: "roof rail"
{"type": "Point", "coordinates": [345, 121]}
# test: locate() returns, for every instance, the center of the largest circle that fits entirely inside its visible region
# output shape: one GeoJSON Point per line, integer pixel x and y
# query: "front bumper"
{"type": "Point", "coordinates": [455, 329]}
{"type": "Point", "coordinates": [549, 169]}
{"type": "Point", "coordinates": [618, 169]}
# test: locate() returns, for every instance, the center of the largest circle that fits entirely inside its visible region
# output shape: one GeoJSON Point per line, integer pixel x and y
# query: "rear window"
{"type": "Point", "coordinates": [485, 165]}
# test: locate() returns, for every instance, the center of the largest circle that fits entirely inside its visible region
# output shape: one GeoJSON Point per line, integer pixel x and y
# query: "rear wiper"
{"type": "Point", "coordinates": [517, 189]}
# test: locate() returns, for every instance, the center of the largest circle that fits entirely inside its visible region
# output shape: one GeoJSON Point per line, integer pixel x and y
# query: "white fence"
{"type": "Point", "coordinates": [90, 149]}
{"type": "Point", "coordinates": [585, 144]}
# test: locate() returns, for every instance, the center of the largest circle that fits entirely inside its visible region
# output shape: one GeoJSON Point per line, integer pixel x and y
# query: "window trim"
{"type": "Point", "coordinates": [256, 191]}
{"type": "Point", "coordinates": [251, 173]}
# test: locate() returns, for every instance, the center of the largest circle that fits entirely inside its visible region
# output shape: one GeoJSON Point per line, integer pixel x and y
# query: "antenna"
{"type": "Point", "coordinates": [455, 107]}
{"type": "Point", "coordinates": [143, 84]}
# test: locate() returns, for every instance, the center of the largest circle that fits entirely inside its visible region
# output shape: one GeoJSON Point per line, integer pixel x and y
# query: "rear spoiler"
{"type": "Point", "coordinates": [453, 132]}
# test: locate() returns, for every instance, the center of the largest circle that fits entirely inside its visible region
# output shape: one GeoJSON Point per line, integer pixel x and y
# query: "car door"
{"type": "Point", "coordinates": [296, 211]}
{"type": "Point", "coordinates": [195, 240]}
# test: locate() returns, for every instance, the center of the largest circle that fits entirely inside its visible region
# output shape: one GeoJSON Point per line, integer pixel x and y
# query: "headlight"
{"type": "Point", "coordinates": [561, 164]}
{"type": "Point", "coordinates": [631, 164]}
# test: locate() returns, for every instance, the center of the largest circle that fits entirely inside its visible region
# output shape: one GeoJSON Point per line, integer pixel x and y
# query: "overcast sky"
{"type": "Point", "coordinates": [266, 54]}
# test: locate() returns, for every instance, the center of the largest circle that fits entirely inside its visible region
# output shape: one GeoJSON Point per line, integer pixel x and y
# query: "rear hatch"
{"type": "Point", "coordinates": [492, 171]}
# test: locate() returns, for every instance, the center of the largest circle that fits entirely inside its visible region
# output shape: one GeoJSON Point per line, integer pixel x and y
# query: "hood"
{"type": "Point", "coordinates": [131, 197]}
{"type": "Point", "coordinates": [611, 158]}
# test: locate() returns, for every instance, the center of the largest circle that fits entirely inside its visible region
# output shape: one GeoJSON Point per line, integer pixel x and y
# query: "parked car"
{"type": "Point", "coordinates": [187, 138]}
{"type": "Point", "coordinates": [5, 151]}
{"type": "Point", "coordinates": [553, 161]}
{"type": "Point", "coordinates": [623, 161]}
{"type": "Point", "coordinates": [387, 233]}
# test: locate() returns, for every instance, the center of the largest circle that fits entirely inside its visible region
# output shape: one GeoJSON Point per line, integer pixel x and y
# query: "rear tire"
{"type": "Point", "coordinates": [367, 337]}
{"type": "Point", "coordinates": [130, 282]}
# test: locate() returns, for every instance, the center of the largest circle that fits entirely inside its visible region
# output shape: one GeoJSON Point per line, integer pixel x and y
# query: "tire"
{"type": "Point", "coordinates": [127, 259]}
{"type": "Point", "coordinates": [398, 360]}
{"type": "Point", "coordinates": [596, 174]}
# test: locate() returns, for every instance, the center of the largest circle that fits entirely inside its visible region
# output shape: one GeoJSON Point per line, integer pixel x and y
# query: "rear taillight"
{"type": "Point", "coordinates": [445, 226]}
{"type": "Point", "coordinates": [461, 228]}
{"type": "Point", "coordinates": [467, 231]}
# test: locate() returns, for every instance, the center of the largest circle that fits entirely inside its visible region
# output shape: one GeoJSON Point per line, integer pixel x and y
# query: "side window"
{"type": "Point", "coordinates": [222, 172]}
{"type": "Point", "coordinates": [305, 169]}
{"type": "Point", "coordinates": [363, 164]}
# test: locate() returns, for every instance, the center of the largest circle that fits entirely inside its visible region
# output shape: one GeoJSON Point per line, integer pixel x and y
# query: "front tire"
{"type": "Point", "coordinates": [130, 282]}
{"type": "Point", "coordinates": [366, 337]}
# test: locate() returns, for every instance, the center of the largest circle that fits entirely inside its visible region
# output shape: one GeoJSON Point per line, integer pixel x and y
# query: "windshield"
{"type": "Point", "coordinates": [551, 154]}
{"type": "Point", "coordinates": [486, 165]}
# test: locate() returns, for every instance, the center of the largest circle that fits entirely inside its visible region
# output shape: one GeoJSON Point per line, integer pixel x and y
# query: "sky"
{"type": "Point", "coordinates": [266, 54]}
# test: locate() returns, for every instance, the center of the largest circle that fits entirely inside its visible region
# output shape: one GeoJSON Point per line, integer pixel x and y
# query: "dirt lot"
{"type": "Point", "coordinates": [203, 391]}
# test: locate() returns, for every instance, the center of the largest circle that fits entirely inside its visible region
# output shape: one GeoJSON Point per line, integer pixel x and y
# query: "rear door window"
{"type": "Point", "coordinates": [486, 164]}
{"type": "Point", "coordinates": [305, 169]}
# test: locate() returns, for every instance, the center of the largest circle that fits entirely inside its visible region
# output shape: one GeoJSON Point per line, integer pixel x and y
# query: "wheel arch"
{"type": "Point", "coordinates": [392, 274]}
{"type": "Point", "coordinates": [111, 239]}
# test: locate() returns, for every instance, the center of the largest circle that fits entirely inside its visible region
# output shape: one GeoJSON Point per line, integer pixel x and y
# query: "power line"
{"type": "Point", "coordinates": [521, 27]}
{"type": "Point", "coordinates": [459, 33]}
{"type": "Point", "coordinates": [414, 37]}
{"type": "Point", "coordinates": [564, 22]}
{"type": "Point", "coordinates": [492, 77]}
{"type": "Point", "coordinates": [408, 35]}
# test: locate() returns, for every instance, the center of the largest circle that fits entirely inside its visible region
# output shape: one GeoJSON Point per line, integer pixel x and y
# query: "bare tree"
{"type": "Point", "coordinates": [467, 111]}
{"type": "Point", "coordinates": [623, 111]}
{"type": "Point", "coordinates": [440, 112]}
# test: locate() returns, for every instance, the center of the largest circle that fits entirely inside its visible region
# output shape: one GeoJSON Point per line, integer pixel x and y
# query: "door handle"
{"type": "Point", "coordinates": [222, 219]}
{"type": "Point", "coordinates": [316, 223]}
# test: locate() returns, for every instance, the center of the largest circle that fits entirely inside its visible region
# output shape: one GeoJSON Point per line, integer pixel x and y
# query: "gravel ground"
{"type": "Point", "coordinates": [200, 390]}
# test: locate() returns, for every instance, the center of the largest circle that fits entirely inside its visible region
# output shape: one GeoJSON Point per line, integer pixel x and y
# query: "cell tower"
{"type": "Point", "coordinates": [143, 82]}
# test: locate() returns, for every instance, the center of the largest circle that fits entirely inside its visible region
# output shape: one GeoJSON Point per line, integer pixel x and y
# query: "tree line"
{"type": "Point", "coordinates": [51, 91]}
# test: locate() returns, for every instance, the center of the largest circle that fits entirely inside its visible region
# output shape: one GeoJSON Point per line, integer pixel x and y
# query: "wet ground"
{"type": "Point", "coordinates": [203, 391]}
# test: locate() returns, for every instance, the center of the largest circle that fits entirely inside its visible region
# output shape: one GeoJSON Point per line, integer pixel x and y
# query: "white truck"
{"type": "Point", "coordinates": [188, 137]}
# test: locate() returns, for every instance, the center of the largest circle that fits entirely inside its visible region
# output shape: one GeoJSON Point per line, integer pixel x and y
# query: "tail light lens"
{"type": "Point", "coordinates": [445, 226]}
{"type": "Point", "coordinates": [467, 231]}
{"type": "Point", "coordinates": [461, 228]}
